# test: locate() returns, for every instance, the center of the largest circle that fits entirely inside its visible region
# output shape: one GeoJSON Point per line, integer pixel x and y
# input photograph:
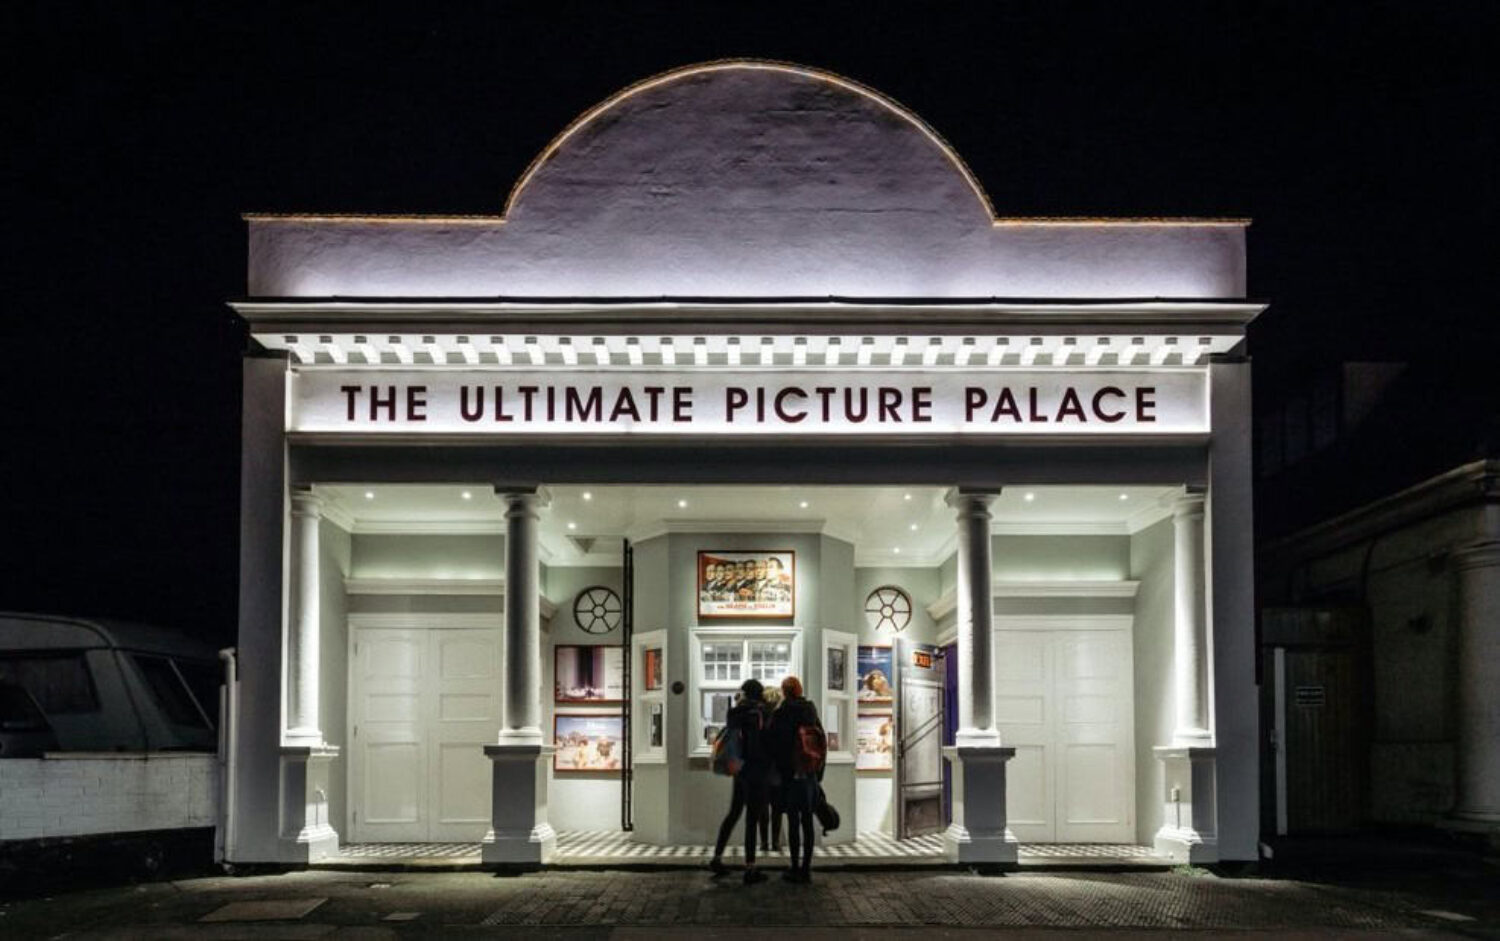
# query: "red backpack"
{"type": "Point", "coordinates": [811, 750]}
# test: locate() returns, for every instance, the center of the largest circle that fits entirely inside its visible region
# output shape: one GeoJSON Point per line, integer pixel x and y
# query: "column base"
{"type": "Point", "coordinates": [979, 834]}
{"type": "Point", "coordinates": [1190, 834]}
{"type": "Point", "coordinates": [519, 833]}
{"type": "Point", "coordinates": [306, 835]}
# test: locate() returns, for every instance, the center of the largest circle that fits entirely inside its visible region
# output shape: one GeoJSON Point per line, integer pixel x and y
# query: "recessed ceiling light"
{"type": "Point", "coordinates": [468, 495]}
{"type": "Point", "coordinates": [369, 494]}
{"type": "Point", "coordinates": [1124, 496]}
{"type": "Point", "coordinates": [572, 525]}
{"type": "Point", "coordinates": [803, 504]}
{"type": "Point", "coordinates": [906, 497]}
{"type": "Point", "coordinates": [897, 550]}
{"type": "Point", "coordinates": [587, 495]}
{"type": "Point", "coordinates": [913, 527]}
{"type": "Point", "coordinates": [682, 504]}
{"type": "Point", "coordinates": [1029, 497]}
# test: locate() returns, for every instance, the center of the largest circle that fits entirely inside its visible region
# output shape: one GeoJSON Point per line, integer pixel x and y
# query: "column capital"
{"type": "Point", "coordinates": [1189, 505]}
{"type": "Point", "coordinates": [536, 498]}
{"type": "Point", "coordinates": [968, 498]}
{"type": "Point", "coordinates": [306, 503]}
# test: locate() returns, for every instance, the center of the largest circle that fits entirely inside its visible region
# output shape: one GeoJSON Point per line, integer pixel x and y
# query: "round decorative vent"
{"type": "Point", "coordinates": [598, 609]}
{"type": "Point", "coordinates": [888, 608]}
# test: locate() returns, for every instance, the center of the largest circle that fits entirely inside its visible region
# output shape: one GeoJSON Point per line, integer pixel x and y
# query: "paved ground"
{"type": "Point", "coordinates": [849, 906]}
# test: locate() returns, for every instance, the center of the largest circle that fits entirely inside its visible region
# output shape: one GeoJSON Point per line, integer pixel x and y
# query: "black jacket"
{"type": "Point", "coordinates": [782, 736]}
{"type": "Point", "coordinates": [750, 719]}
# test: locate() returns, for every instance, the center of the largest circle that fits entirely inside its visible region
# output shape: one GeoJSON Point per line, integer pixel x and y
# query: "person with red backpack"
{"type": "Point", "coordinates": [740, 752]}
{"type": "Point", "coordinates": [799, 749]}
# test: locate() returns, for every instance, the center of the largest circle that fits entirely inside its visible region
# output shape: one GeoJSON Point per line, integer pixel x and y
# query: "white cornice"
{"type": "Point", "coordinates": [1096, 588]}
{"type": "Point", "coordinates": [863, 312]}
{"type": "Point", "coordinates": [1039, 588]}
{"type": "Point", "coordinates": [650, 530]}
{"type": "Point", "coordinates": [1152, 513]}
{"type": "Point", "coordinates": [428, 527]}
{"type": "Point", "coordinates": [1061, 528]}
{"type": "Point", "coordinates": [488, 587]}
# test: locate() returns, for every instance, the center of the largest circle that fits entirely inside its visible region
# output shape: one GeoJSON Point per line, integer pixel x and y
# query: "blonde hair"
{"type": "Point", "coordinates": [791, 688]}
{"type": "Point", "coordinates": [772, 696]}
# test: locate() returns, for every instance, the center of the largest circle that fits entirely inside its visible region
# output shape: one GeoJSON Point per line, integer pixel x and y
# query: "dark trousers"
{"type": "Point", "coordinates": [770, 822]}
{"type": "Point", "coordinates": [749, 798]}
{"type": "Point", "coordinates": [798, 796]}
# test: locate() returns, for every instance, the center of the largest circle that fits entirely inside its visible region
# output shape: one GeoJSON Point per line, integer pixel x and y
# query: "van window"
{"type": "Point", "coordinates": [58, 680]}
{"type": "Point", "coordinates": [203, 679]}
{"type": "Point", "coordinates": [169, 691]}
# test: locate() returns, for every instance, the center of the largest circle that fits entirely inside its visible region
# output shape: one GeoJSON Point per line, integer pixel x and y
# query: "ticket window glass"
{"type": "Point", "coordinates": [723, 659]}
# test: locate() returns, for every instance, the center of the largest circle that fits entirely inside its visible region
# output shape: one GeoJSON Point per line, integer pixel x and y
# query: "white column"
{"type": "Point", "coordinates": [302, 635]}
{"type": "Point", "coordinates": [976, 663]}
{"type": "Point", "coordinates": [1477, 786]}
{"type": "Point", "coordinates": [523, 619]}
{"type": "Point", "coordinates": [519, 833]}
{"type": "Point", "coordinates": [1190, 630]}
{"type": "Point", "coordinates": [979, 833]}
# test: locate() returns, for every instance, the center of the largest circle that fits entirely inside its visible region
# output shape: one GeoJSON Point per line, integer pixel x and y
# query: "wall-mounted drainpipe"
{"type": "Point", "coordinates": [229, 713]}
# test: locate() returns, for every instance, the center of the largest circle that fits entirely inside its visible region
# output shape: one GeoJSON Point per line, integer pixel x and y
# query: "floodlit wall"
{"type": "Point", "coordinates": [579, 800]}
{"type": "Point", "coordinates": [1151, 563]}
{"type": "Point", "coordinates": [85, 794]}
{"type": "Point", "coordinates": [334, 546]}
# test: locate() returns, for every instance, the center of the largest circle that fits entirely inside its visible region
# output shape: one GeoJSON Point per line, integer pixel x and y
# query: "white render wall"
{"type": "Point", "coordinates": [745, 179]}
{"type": "Point", "coordinates": [85, 794]}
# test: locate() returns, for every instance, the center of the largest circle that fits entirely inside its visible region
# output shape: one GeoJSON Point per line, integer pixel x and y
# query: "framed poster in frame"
{"type": "Point", "coordinates": [651, 668]}
{"type": "Point", "coordinates": [657, 725]}
{"type": "Point", "coordinates": [875, 665]}
{"type": "Point", "coordinates": [873, 742]}
{"type": "Point", "coordinates": [591, 742]}
{"type": "Point", "coordinates": [836, 672]}
{"type": "Point", "coordinates": [592, 673]}
{"type": "Point", "coordinates": [754, 583]}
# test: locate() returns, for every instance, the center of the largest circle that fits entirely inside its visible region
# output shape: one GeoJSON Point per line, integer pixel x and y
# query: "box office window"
{"type": "Point", "coordinates": [723, 660]}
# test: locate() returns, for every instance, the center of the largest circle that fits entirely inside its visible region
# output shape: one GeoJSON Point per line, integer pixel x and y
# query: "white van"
{"type": "Point", "coordinates": [107, 685]}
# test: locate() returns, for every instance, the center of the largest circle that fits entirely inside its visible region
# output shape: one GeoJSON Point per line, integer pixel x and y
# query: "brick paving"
{"type": "Point", "coordinates": [628, 903]}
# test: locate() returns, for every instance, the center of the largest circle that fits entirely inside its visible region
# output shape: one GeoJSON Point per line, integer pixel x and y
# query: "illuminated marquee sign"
{"type": "Point", "coordinates": [696, 401]}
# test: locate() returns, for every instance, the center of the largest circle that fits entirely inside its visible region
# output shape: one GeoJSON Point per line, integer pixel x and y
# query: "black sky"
{"type": "Point", "coordinates": [1360, 137]}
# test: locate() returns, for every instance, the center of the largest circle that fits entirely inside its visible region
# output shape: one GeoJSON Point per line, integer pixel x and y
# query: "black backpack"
{"type": "Point", "coordinates": [828, 816]}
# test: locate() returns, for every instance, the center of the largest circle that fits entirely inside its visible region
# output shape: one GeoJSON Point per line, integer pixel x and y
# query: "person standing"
{"type": "Point", "coordinates": [770, 819]}
{"type": "Point", "coordinates": [798, 749]}
{"type": "Point", "coordinates": [746, 721]}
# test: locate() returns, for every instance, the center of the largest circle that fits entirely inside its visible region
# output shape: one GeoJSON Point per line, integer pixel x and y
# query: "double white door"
{"type": "Point", "coordinates": [1064, 699]}
{"type": "Point", "coordinates": [423, 704]}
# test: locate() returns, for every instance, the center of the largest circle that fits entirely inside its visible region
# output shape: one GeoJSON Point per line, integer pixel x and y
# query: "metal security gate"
{"type": "Point", "coordinates": [921, 685]}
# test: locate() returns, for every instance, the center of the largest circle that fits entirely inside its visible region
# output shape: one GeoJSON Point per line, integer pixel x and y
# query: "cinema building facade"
{"type": "Point", "coordinates": [747, 380]}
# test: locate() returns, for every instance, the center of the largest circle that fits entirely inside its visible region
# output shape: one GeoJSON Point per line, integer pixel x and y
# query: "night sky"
{"type": "Point", "coordinates": [1360, 137]}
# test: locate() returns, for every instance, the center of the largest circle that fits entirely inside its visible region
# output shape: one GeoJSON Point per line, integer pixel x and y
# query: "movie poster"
{"type": "Point", "coordinates": [873, 742]}
{"type": "Point", "coordinates": [875, 674]}
{"type": "Point", "coordinates": [587, 742]}
{"type": "Point", "coordinates": [593, 673]}
{"type": "Point", "coordinates": [758, 583]}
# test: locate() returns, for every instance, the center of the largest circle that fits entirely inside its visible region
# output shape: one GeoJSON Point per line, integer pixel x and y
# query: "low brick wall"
{"type": "Point", "coordinates": [81, 794]}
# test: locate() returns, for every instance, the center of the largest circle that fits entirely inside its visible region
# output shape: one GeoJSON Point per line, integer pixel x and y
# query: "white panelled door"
{"type": "Point", "coordinates": [423, 704]}
{"type": "Point", "coordinates": [1064, 699]}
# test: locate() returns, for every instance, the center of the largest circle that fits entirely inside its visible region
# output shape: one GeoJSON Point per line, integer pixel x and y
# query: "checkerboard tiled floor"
{"type": "Point", "coordinates": [599, 848]}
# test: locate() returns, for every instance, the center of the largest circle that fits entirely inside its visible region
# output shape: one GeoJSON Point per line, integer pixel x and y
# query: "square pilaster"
{"type": "Point", "coordinates": [980, 833]}
{"type": "Point", "coordinates": [519, 834]}
{"type": "Point", "coordinates": [1190, 833]}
